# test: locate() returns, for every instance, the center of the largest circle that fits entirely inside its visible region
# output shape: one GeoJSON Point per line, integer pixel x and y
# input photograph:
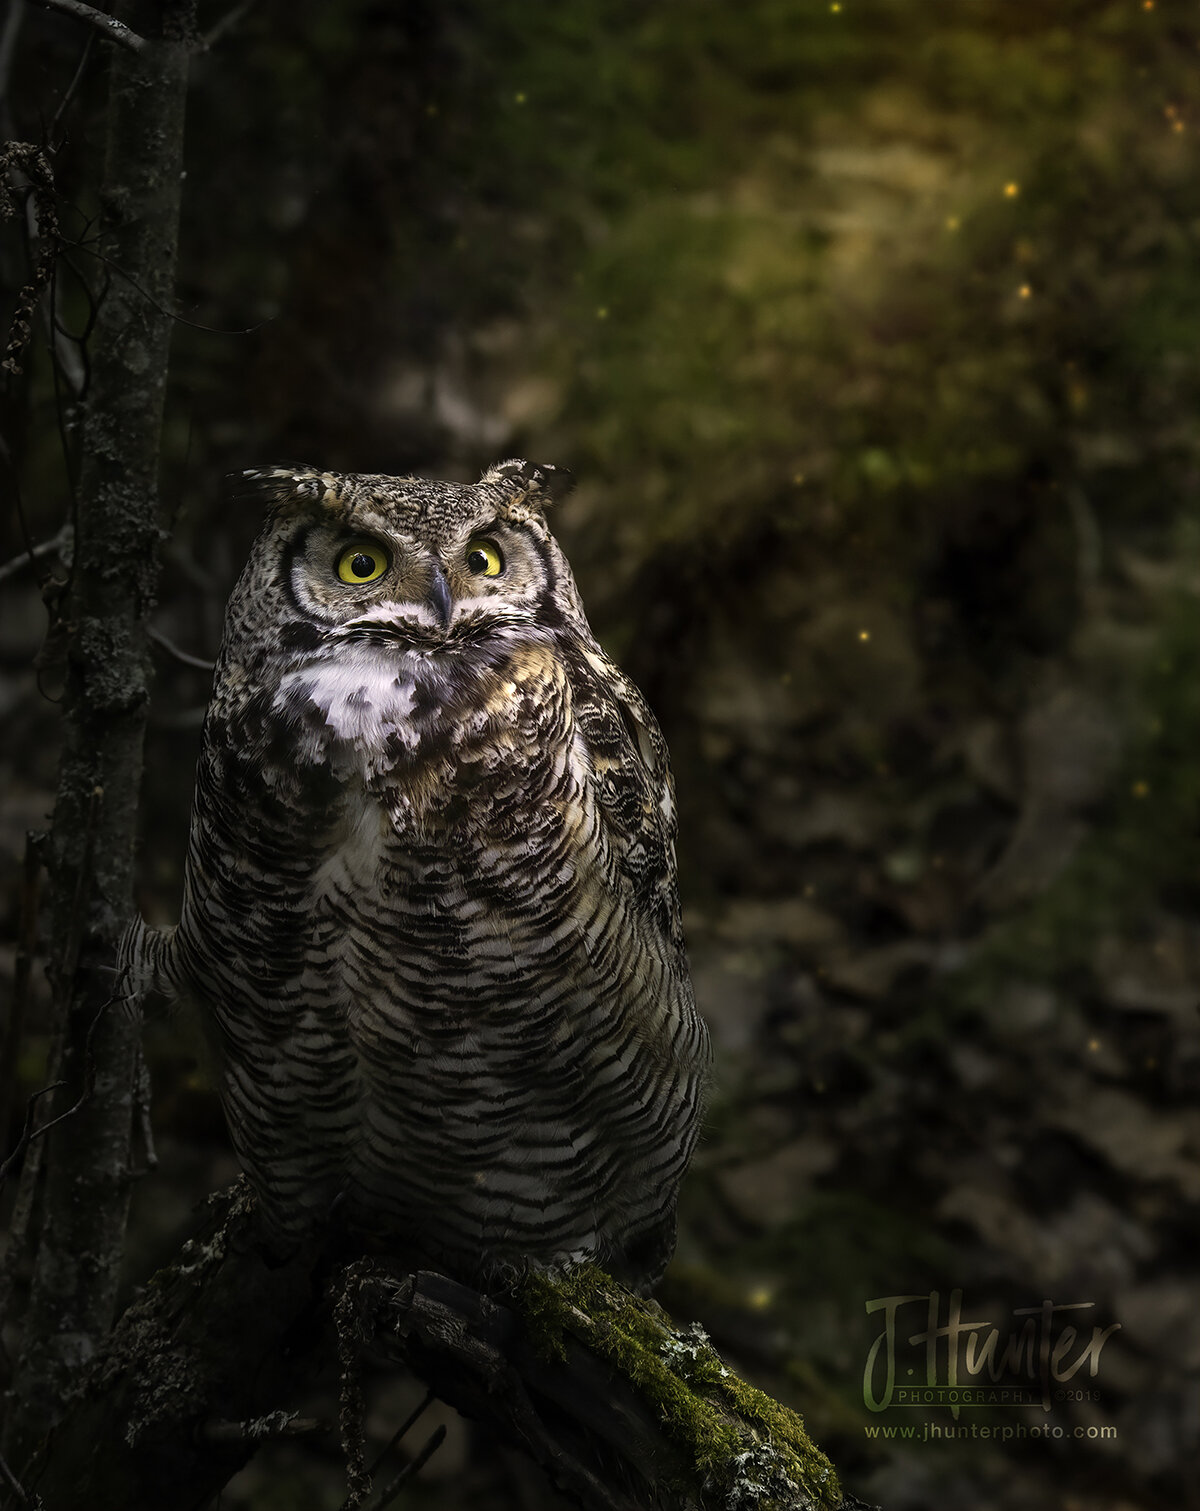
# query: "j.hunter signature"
{"type": "Point", "coordinates": [1023, 1358]}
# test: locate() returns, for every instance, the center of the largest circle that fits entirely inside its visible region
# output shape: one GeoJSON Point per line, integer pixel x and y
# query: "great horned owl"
{"type": "Point", "coordinates": [430, 911]}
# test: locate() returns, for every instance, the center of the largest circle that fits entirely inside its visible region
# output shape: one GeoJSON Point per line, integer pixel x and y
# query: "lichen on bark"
{"type": "Point", "coordinates": [748, 1451]}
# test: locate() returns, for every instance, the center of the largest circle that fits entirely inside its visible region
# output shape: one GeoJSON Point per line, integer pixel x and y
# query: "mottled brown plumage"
{"type": "Point", "coordinates": [430, 914]}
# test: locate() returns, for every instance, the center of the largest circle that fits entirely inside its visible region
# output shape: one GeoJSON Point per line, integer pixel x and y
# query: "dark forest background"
{"type": "Point", "coordinates": [871, 333]}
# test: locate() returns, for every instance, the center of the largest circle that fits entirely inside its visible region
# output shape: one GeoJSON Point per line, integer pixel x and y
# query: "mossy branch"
{"type": "Point", "coordinates": [620, 1408]}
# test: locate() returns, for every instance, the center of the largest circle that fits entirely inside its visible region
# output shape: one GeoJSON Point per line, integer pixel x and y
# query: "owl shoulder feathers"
{"type": "Point", "coordinates": [634, 786]}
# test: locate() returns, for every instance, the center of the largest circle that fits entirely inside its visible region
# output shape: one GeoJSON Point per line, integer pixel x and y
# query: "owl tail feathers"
{"type": "Point", "coordinates": [145, 964]}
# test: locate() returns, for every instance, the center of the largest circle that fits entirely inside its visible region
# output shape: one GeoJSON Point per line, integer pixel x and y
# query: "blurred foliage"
{"type": "Point", "coordinates": [872, 334]}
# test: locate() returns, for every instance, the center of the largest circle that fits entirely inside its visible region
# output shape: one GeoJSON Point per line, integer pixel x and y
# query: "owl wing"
{"type": "Point", "coordinates": [634, 788]}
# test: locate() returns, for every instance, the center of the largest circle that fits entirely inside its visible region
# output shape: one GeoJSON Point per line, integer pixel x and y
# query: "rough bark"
{"type": "Point", "coordinates": [104, 610]}
{"type": "Point", "coordinates": [206, 1345]}
{"type": "Point", "coordinates": [205, 1362]}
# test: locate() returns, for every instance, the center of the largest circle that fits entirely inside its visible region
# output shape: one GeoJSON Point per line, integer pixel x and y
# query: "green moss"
{"type": "Point", "coordinates": [748, 1450]}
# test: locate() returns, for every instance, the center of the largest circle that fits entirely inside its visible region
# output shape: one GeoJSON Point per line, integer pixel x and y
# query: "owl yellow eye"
{"type": "Point", "coordinates": [362, 563]}
{"type": "Point", "coordinates": [484, 559]}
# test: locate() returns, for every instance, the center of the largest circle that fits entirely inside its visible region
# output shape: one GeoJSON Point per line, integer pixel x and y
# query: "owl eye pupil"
{"type": "Point", "coordinates": [358, 564]}
{"type": "Point", "coordinates": [483, 558]}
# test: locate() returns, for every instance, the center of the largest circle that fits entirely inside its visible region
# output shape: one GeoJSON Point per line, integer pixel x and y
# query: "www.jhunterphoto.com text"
{"type": "Point", "coordinates": [1009, 1432]}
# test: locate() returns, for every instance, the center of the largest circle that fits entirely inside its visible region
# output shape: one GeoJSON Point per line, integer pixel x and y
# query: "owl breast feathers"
{"type": "Point", "coordinates": [430, 915]}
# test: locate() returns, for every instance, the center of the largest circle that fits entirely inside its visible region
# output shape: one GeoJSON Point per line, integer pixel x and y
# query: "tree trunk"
{"type": "Point", "coordinates": [104, 608]}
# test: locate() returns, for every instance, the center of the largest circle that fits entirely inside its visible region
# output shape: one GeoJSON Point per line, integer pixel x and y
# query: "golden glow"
{"type": "Point", "coordinates": [484, 559]}
{"type": "Point", "coordinates": [362, 562]}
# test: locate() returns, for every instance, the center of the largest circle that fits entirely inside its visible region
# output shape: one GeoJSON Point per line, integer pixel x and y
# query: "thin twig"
{"type": "Point", "coordinates": [28, 1132]}
{"type": "Point", "coordinates": [107, 26]}
{"type": "Point", "coordinates": [14, 482]}
{"type": "Point", "coordinates": [70, 92]}
{"type": "Point", "coordinates": [15, 1485]}
{"type": "Point", "coordinates": [70, 453]}
{"type": "Point", "coordinates": [67, 451]}
{"type": "Point", "coordinates": [93, 297]}
{"type": "Point", "coordinates": [28, 186]}
{"type": "Point", "coordinates": [67, 362]}
{"type": "Point", "coordinates": [196, 325]}
{"type": "Point", "coordinates": [410, 1471]}
{"type": "Point", "coordinates": [8, 48]}
{"type": "Point", "coordinates": [279, 1424]}
{"type": "Point", "coordinates": [25, 1204]}
{"type": "Point", "coordinates": [226, 23]}
{"type": "Point", "coordinates": [20, 1226]}
{"type": "Point", "coordinates": [172, 649]}
{"type": "Point", "coordinates": [28, 557]}
{"type": "Point", "coordinates": [413, 1417]}
{"type": "Point", "coordinates": [12, 1032]}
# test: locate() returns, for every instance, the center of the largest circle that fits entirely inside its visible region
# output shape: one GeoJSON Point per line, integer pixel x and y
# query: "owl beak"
{"type": "Point", "coordinates": [439, 595]}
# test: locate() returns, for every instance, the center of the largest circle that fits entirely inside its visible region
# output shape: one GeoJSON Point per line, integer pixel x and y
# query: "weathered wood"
{"type": "Point", "coordinates": [620, 1408]}
{"type": "Point", "coordinates": [585, 1426]}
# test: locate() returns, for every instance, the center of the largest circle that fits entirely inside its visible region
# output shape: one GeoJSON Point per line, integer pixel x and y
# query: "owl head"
{"type": "Point", "coordinates": [373, 608]}
{"type": "Point", "coordinates": [430, 562]}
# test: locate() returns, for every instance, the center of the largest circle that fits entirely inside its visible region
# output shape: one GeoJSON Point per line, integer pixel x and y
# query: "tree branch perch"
{"type": "Point", "coordinates": [620, 1408]}
{"type": "Point", "coordinates": [107, 26]}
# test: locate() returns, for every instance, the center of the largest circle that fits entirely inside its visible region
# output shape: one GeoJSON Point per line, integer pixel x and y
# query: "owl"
{"type": "Point", "coordinates": [430, 916]}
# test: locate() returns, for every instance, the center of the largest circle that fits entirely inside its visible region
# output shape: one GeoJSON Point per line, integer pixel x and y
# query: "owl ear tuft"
{"type": "Point", "coordinates": [546, 484]}
{"type": "Point", "coordinates": [297, 484]}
